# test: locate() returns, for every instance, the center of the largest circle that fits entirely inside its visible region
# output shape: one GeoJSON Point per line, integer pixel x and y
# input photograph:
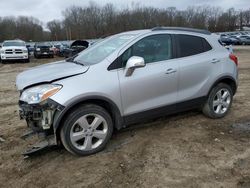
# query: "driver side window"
{"type": "Point", "coordinates": [153, 48]}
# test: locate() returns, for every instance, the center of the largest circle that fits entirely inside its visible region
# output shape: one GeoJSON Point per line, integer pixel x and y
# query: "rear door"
{"type": "Point", "coordinates": [198, 63]}
{"type": "Point", "coordinates": [154, 85]}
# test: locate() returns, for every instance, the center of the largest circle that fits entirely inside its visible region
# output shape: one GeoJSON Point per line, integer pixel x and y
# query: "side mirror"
{"type": "Point", "coordinates": [133, 63]}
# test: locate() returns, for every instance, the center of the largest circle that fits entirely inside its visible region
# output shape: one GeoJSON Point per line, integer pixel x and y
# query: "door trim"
{"type": "Point", "coordinates": [164, 110]}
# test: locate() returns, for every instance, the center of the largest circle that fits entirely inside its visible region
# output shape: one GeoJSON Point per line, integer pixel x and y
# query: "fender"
{"type": "Point", "coordinates": [229, 78]}
{"type": "Point", "coordinates": [116, 114]}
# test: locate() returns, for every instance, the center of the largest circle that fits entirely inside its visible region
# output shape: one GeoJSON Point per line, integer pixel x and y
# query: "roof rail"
{"type": "Point", "coordinates": [202, 31]}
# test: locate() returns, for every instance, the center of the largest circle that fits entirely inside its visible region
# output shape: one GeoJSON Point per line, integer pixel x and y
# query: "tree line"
{"type": "Point", "coordinates": [95, 21]}
{"type": "Point", "coordinates": [22, 27]}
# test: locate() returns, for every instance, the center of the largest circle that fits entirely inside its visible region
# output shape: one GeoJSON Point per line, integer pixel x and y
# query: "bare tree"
{"type": "Point", "coordinates": [94, 21]}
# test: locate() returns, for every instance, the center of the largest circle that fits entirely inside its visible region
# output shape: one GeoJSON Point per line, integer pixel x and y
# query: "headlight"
{"type": "Point", "coordinates": [2, 51]}
{"type": "Point", "coordinates": [38, 49]}
{"type": "Point", "coordinates": [25, 51]}
{"type": "Point", "coordinates": [51, 49]}
{"type": "Point", "coordinates": [39, 93]}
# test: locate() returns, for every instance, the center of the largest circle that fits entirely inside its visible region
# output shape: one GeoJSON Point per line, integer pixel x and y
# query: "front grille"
{"type": "Point", "coordinates": [45, 49]}
{"type": "Point", "coordinates": [9, 51]}
{"type": "Point", "coordinates": [13, 51]}
{"type": "Point", "coordinates": [18, 51]}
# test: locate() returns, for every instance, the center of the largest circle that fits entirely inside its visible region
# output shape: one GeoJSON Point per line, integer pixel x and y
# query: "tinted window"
{"type": "Point", "coordinates": [191, 45]}
{"type": "Point", "coordinates": [206, 45]}
{"type": "Point", "coordinates": [153, 49]}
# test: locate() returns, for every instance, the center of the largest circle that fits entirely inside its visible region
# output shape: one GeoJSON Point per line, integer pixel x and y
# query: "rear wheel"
{"type": "Point", "coordinates": [219, 101]}
{"type": "Point", "coordinates": [86, 130]}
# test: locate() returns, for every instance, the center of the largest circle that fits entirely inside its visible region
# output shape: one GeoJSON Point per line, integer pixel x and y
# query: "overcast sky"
{"type": "Point", "coordinates": [47, 10]}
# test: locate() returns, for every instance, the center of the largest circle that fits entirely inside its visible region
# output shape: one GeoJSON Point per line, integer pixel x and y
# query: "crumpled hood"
{"type": "Point", "coordinates": [48, 72]}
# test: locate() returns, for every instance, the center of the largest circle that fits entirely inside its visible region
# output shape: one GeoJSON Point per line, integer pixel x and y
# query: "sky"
{"type": "Point", "coordinates": [47, 10]}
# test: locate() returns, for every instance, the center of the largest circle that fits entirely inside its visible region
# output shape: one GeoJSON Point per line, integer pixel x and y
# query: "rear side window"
{"type": "Point", "coordinates": [206, 45]}
{"type": "Point", "coordinates": [191, 45]}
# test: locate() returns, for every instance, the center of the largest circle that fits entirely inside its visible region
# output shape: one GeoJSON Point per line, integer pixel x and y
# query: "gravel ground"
{"type": "Point", "coordinates": [183, 150]}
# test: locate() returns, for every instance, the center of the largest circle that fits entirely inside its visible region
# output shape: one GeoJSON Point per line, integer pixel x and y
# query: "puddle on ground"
{"type": "Point", "coordinates": [241, 127]}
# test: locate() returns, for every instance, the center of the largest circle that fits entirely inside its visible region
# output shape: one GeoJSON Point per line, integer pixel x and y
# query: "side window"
{"type": "Point", "coordinates": [192, 45]}
{"type": "Point", "coordinates": [152, 48]}
{"type": "Point", "coordinates": [206, 45]}
{"type": "Point", "coordinates": [125, 56]}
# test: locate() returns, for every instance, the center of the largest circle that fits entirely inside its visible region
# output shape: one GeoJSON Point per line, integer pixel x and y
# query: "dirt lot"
{"type": "Point", "coordinates": [184, 150]}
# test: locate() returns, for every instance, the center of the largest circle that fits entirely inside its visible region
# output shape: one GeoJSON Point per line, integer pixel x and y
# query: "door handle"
{"type": "Point", "coordinates": [215, 61]}
{"type": "Point", "coordinates": [170, 71]}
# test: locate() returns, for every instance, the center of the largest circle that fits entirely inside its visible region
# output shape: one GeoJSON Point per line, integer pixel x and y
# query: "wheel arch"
{"type": "Point", "coordinates": [104, 102]}
{"type": "Point", "coordinates": [227, 80]}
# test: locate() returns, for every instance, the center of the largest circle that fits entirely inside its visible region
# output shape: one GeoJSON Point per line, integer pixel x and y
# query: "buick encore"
{"type": "Point", "coordinates": [125, 79]}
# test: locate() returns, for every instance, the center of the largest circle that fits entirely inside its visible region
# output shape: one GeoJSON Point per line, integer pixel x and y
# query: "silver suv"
{"type": "Point", "coordinates": [124, 79]}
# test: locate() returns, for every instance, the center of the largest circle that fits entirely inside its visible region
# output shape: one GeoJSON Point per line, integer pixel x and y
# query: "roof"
{"type": "Point", "coordinates": [16, 40]}
{"type": "Point", "coordinates": [202, 31]}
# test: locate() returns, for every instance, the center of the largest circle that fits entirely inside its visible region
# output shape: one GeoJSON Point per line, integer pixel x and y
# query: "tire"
{"type": "Point", "coordinates": [80, 137]}
{"type": "Point", "coordinates": [26, 60]}
{"type": "Point", "coordinates": [216, 106]}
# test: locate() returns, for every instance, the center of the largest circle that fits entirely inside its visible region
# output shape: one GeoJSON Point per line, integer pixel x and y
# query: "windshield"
{"type": "Point", "coordinates": [43, 44]}
{"type": "Point", "coordinates": [103, 49]}
{"type": "Point", "coordinates": [14, 43]}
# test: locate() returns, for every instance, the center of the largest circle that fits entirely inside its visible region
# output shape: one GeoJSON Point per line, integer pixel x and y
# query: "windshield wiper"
{"type": "Point", "coordinates": [77, 62]}
{"type": "Point", "coordinates": [72, 60]}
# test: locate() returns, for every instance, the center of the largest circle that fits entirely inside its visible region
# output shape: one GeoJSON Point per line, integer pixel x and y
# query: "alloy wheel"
{"type": "Point", "coordinates": [221, 101]}
{"type": "Point", "coordinates": [89, 132]}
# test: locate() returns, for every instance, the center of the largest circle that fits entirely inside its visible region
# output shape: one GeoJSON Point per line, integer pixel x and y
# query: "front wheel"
{"type": "Point", "coordinates": [219, 101]}
{"type": "Point", "coordinates": [86, 130]}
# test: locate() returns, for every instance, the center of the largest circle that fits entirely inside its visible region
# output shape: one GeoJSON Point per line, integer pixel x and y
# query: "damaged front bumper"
{"type": "Point", "coordinates": [40, 120]}
{"type": "Point", "coordinates": [40, 116]}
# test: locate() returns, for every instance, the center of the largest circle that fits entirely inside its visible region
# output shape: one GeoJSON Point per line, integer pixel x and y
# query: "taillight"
{"type": "Point", "coordinates": [234, 58]}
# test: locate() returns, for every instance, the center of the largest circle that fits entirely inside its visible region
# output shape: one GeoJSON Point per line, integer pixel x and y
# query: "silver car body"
{"type": "Point", "coordinates": [159, 84]}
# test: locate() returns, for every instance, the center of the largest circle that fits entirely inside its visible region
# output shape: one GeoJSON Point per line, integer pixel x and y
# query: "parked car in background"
{"type": "Point", "coordinates": [124, 79]}
{"type": "Point", "coordinates": [30, 48]}
{"type": "Point", "coordinates": [56, 48]}
{"type": "Point", "coordinates": [62, 49]}
{"type": "Point", "coordinates": [229, 40]}
{"type": "Point", "coordinates": [75, 48]}
{"type": "Point", "coordinates": [14, 50]}
{"type": "Point", "coordinates": [43, 49]}
{"type": "Point", "coordinates": [236, 39]}
{"type": "Point", "coordinates": [245, 40]}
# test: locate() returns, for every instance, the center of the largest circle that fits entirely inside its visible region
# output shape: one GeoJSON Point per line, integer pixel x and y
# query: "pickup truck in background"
{"type": "Point", "coordinates": [14, 50]}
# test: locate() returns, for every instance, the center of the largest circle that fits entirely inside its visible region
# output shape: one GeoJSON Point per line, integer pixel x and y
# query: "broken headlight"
{"type": "Point", "coordinates": [39, 93]}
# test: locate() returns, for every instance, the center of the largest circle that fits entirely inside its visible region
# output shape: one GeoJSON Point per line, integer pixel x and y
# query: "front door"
{"type": "Point", "coordinates": [154, 86]}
